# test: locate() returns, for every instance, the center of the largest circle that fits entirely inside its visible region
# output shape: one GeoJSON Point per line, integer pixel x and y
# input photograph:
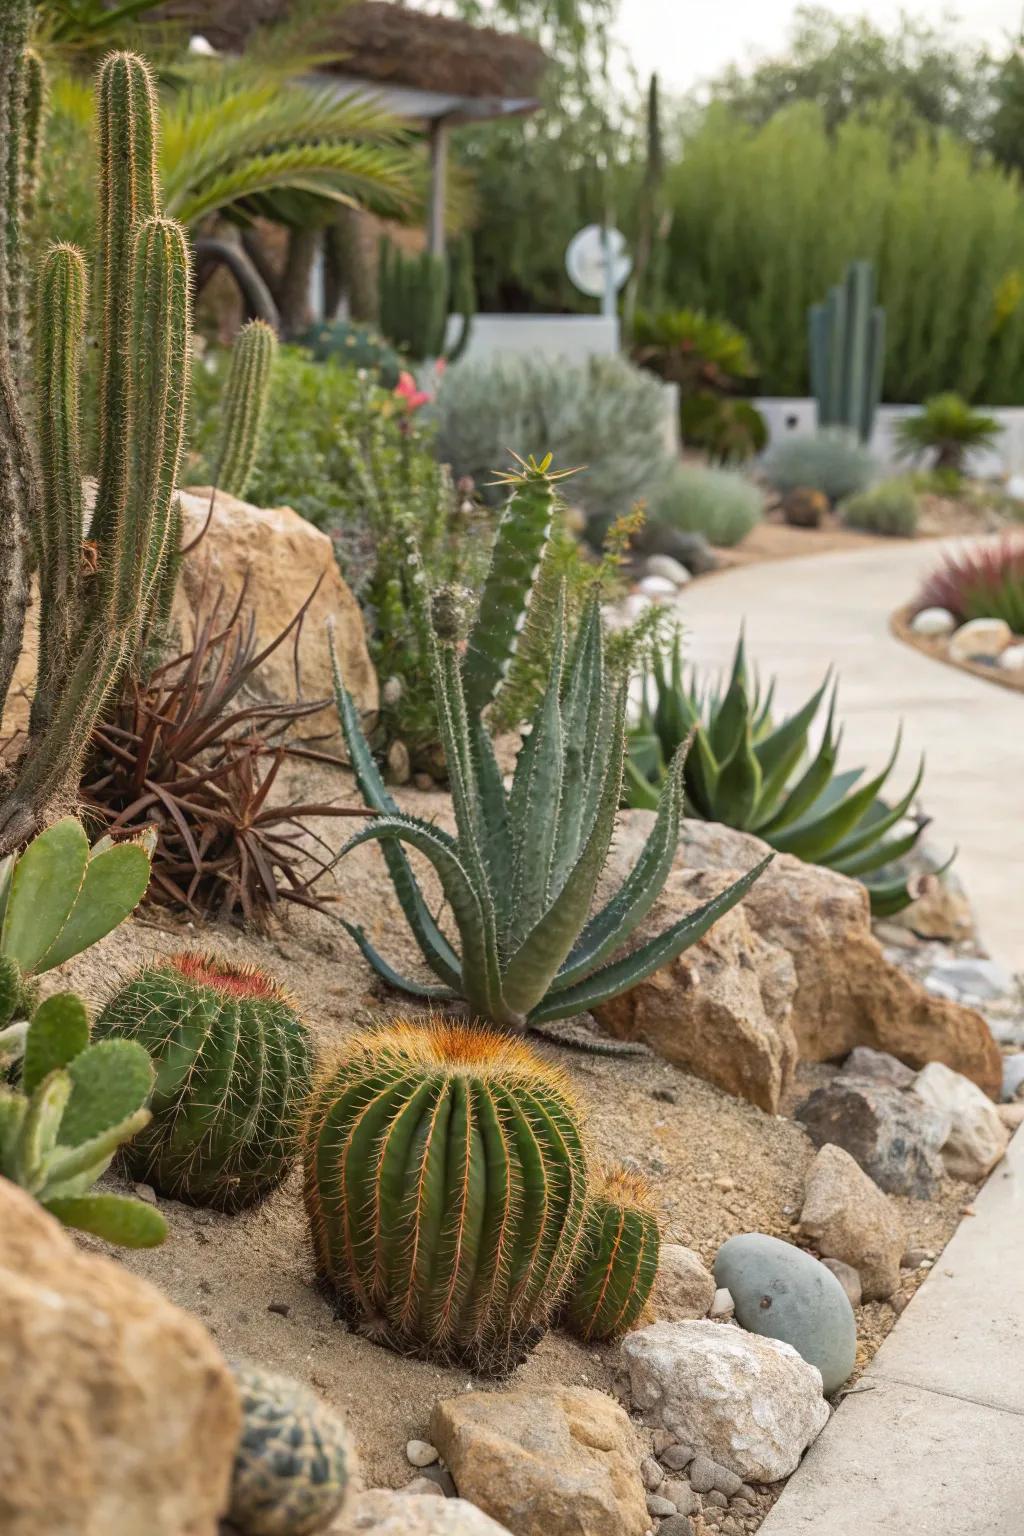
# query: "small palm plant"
{"type": "Point", "coordinates": [948, 428]}
{"type": "Point", "coordinates": [521, 874]}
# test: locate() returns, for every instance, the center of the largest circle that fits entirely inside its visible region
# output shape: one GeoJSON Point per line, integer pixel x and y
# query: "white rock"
{"type": "Point", "coordinates": [380, 1512]}
{"type": "Point", "coordinates": [657, 586]}
{"type": "Point", "coordinates": [683, 1288]}
{"type": "Point", "coordinates": [670, 569]}
{"type": "Point", "coordinates": [633, 605]}
{"type": "Point", "coordinates": [967, 976]}
{"type": "Point", "coordinates": [420, 1453]}
{"type": "Point", "coordinates": [723, 1305]}
{"type": "Point", "coordinates": [1013, 1074]}
{"type": "Point", "coordinates": [980, 637]}
{"type": "Point", "coordinates": [749, 1403]}
{"type": "Point", "coordinates": [933, 621]}
{"type": "Point", "coordinates": [978, 1137]}
{"type": "Point", "coordinates": [1012, 659]}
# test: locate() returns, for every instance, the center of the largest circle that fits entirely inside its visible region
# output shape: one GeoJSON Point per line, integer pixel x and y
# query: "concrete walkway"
{"type": "Point", "coordinates": [801, 615]}
{"type": "Point", "coordinates": [935, 1444]}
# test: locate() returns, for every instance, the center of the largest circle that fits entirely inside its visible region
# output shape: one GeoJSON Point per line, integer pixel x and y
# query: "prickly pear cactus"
{"type": "Point", "coordinates": [620, 1249]}
{"type": "Point", "coordinates": [294, 1459]}
{"type": "Point", "coordinates": [234, 1066]}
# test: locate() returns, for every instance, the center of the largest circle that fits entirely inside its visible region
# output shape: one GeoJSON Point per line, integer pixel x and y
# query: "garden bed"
{"type": "Point", "coordinates": [937, 646]}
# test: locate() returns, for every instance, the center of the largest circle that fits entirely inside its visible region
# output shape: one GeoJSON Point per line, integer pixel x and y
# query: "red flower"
{"type": "Point", "coordinates": [409, 393]}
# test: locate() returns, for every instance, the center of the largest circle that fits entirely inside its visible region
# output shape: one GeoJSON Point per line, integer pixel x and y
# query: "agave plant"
{"type": "Point", "coordinates": [984, 583]}
{"type": "Point", "coordinates": [748, 772]}
{"type": "Point", "coordinates": [521, 874]}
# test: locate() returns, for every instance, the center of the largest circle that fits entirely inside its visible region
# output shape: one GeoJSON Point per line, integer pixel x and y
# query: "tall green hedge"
{"type": "Point", "coordinates": [765, 219]}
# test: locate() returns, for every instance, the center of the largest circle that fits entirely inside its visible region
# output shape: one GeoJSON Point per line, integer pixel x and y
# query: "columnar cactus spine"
{"type": "Point", "coordinates": [445, 1178]}
{"type": "Point", "coordinates": [244, 405]}
{"type": "Point", "coordinates": [619, 1259]}
{"type": "Point", "coordinates": [234, 1068]}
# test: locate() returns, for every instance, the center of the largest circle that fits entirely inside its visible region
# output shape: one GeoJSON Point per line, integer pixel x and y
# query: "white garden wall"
{"type": "Point", "coordinates": [573, 338]}
{"type": "Point", "coordinates": [789, 416]}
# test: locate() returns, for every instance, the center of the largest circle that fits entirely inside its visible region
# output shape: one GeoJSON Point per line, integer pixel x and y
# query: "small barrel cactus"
{"type": "Point", "coordinates": [234, 1068]}
{"type": "Point", "coordinates": [619, 1259]}
{"type": "Point", "coordinates": [294, 1459]}
{"type": "Point", "coordinates": [445, 1181]}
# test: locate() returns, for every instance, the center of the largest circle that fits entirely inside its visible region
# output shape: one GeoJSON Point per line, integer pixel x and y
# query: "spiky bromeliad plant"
{"type": "Point", "coordinates": [445, 1181]}
{"type": "Point", "coordinates": [521, 874]}
{"type": "Point", "coordinates": [748, 772]}
{"type": "Point", "coordinates": [95, 599]}
{"type": "Point", "coordinates": [618, 1258]}
{"type": "Point", "coordinates": [74, 1106]}
{"type": "Point", "coordinates": [980, 583]}
{"type": "Point", "coordinates": [233, 1070]}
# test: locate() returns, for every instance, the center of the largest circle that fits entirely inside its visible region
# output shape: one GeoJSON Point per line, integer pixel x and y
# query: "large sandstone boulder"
{"type": "Point", "coordinates": [720, 1010]}
{"type": "Point", "coordinates": [846, 1216]}
{"type": "Point", "coordinates": [560, 1462]}
{"type": "Point", "coordinates": [749, 1403]}
{"type": "Point", "coordinates": [283, 557]}
{"type": "Point", "coordinates": [847, 993]}
{"type": "Point", "coordinates": [119, 1415]}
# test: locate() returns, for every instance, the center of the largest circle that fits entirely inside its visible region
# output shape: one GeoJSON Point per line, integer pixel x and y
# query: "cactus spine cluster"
{"type": "Point", "coordinates": [445, 1177]}
{"type": "Point", "coordinates": [233, 1073]}
{"type": "Point", "coordinates": [847, 351]}
{"type": "Point", "coordinates": [294, 1460]}
{"type": "Point", "coordinates": [416, 293]}
{"type": "Point", "coordinates": [244, 405]}
{"type": "Point", "coordinates": [618, 1259]}
{"type": "Point", "coordinates": [96, 599]}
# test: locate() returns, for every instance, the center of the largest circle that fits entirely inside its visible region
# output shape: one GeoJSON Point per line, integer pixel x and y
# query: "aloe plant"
{"type": "Point", "coordinates": [522, 872]}
{"type": "Point", "coordinates": [749, 772]}
{"type": "Point", "coordinates": [75, 1105]}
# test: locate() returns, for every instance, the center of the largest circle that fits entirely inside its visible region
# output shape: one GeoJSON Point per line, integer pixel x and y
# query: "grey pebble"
{"type": "Point", "coordinates": [656, 1505]}
{"type": "Point", "coordinates": [703, 1474]}
{"type": "Point", "coordinates": [718, 1499]}
{"type": "Point", "coordinates": [676, 1457]}
{"type": "Point", "coordinates": [662, 1439]}
{"type": "Point", "coordinates": [443, 1478]}
{"type": "Point", "coordinates": [682, 1496]}
{"type": "Point", "coordinates": [676, 1525]}
{"type": "Point", "coordinates": [651, 1473]}
{"type": "Point", "coordinates": [424, 1487]}
{"type": "Point", "coordinates": [727, 1482]}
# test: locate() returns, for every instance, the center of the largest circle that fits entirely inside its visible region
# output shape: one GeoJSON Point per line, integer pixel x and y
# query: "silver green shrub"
{"type": "Point", "coordinates": [889, 507]}
{"type": "Point", "coordinates": [832, 461]}
{"type": "Point", "coordinates": [721, 504]}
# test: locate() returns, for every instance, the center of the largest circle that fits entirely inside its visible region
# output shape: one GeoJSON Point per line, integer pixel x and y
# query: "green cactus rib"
{"type": "Point", "coordinates": [445, 1180]}
{"type": "Point", "coordinates": [618, 1261]}
{"type": "Point", "coordinates": [847, 352]}
{"type": "Point", "coordinates": [14, 27]}
{"type": "Point", "coordinates": [244, 405]}
{"type": "Point", "coordinates": [750, 773]}
{"type": "Point", "coordinates": [233, 1065]}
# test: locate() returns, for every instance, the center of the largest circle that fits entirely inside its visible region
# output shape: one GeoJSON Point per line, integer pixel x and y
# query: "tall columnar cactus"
{"type": "Point", "coordinates": [415, 295]}
{"type": "Point", "coordinates": [244, 405]}
{"type": "Point", "coordinates": [445, 1178]}
{"type": "Point", "coordinates": [522, 873]}
{"type": "Point", "coordinates": [618, 1259]}
{"type": "Point", "coordinates": [233, 1067]}
{"type": "Point", "coordinates": [75, 1105]}
{"type": "Point", "coordinates": [847, 352]}
{"type": "Point", "coordinates": [95, 599]}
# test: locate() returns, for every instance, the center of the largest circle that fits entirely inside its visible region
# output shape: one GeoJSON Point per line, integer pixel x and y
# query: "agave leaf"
{"type": "Point", "coordinates": [889, 897]}
{"type": "Point", "coordinates": [497, 845]}
{"type": "Point", "coordinates": [389, 974]}
{"type": "Point", "coordinates": [580, 724]}
{"type": "Point", "coordinates": [675, 714]}
{"type": "Point", "coordinates": [813, 840]}
{"type": "Point", "coordinates": [58, 1032]}
{"type": "Point", "coordinates": [44, 886]}
{"type": "Point", "coordinates": [805, 793]}
{"type": "Point", "coordinates": [129, 1223]}
{"type": "Point", "coordinates": [6, 871]}
{"type": "Point", "coordinates": [731, 717]}
{"type": "Point", "coordinates": [114, 884]}
{"type": "Point", "coordinates": [535, 814]}
{"type": "Point", "coordinates": [702, 775]}
{"type": "Point", "coordinates": [876, 821]}
{"type": "Point", "coordinates": [739, 783]}
{"type": "Point", "coordinates": [878, 855]}
{"type": "Point", "coordinates": [781, 751]}
{"type": "Point", "coordinates": [633, 968]}
{"type": "Point", "coordinates": [454, 730]}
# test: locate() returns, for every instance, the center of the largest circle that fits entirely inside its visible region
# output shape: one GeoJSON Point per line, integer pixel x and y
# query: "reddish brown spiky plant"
{"type": "Point", "coordinates": [445, 1178]}
{"type": "Point", "coordinates": [619, 1258]}
{"type": "Point", "coordinates": [984, 583]}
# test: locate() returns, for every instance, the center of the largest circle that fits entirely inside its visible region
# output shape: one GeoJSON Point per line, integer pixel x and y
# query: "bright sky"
{"type": "Point", "coordinates": [687, 41]}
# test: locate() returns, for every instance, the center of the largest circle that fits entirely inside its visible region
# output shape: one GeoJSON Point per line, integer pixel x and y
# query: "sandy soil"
{"type": "Point", "coordinates": [718, 1165]}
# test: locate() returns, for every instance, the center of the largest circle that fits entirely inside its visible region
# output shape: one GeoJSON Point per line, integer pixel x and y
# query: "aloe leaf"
{"type": "Point", "coordinates": [877, 820]}
{"type": "Point", "coordinates": [889, 897]}
{"type": "Point", "coordinates": [128, 1223]}
{"type": "Point", "coordinates": [58, 1032]}
{"type": "Point", "coordinates": [45, 883]}
{"type": "Point", "coordinates": [781, 751]}
{"type": "Point", "coordinates": [701, 775]}
{"type": "Point", "coordinates": [633, 968]}
{"type": "Point", "coordinates": [535, 812]}
{"type": "Point", "coordinates": [639, 793]}
{"type": "Point", "coordinates": [497, 847]}
{"type": "Point", "coordinates": [675, 714]}
{"type": "Point", "coordinates": [878, 855]}
{"type": "Point", "coordinates": [739, 783]}
{"type": "Point", "coordinates": [114, 884]}
{"type": "Point", "coordinates": [390, 975]}
{"type": "Point", "coordinates": [813, 840]}
{"type": "Point", "coordinates": [479, 982]}
{"type": "Point", "coordinates": [110, 1082]}
{"type": "Point", "coordinates": [806, 792]}
{"type": "Point", "coordinates": [434, 947]}
{"type": "Point", "coordinates": [523, 532]}
{"type": "Point", "coordinates": [730, 719]}
{"type": "Point", "coordinates": [579, 730]}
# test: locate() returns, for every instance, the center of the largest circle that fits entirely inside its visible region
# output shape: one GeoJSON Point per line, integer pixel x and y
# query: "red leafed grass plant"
{"type": "Point", "coordinates": [982, 583]}
{"type": "Point", "coordinates": [192, 749]}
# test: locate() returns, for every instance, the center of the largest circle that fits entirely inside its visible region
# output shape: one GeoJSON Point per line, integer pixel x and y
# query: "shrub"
{"type": "Point", "coordinates": [832, 461]}
{"type": "Point", "coordinates": [445, 1181]}
{"type": "Point", "coordinates": [889, 507]}
{"type": "Point", "coordinates": [722, 504]}
{"type": "Point", "coordinates": [619, 1259]}
{"type": "Point", "coordinates": [233, 1067]}
{"type": "Point", "coordinates": [692, 349]}
{"type": "Point", "coordinates": [604, 415]}
{"type": "Point", "coordinates": [948, 428]}
{"type": "Point", "coordinates": [985, 583]}
{"type": "Point", "coordinates": [730, 431]}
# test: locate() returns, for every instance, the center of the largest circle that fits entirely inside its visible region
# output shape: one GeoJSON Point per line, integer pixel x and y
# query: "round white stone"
{"type": "Point", "coordinates": [933, 621]}
{"type": "Point", "coordinates": [420, 1453]}
{"type": "Point", "coordinates": [1012, 659]}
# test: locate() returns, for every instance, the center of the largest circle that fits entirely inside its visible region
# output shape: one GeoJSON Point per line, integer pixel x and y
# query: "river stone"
{"type": "Point", "coordinates": [846, 1216]}
{"type": "Point", "coordinates": [980, 639]}
{"type": "Point", "coordinates": [894, 1136]}
{"type": "Point", "coordinates": [933, 621]}
{"type": "Point", "coordinates": [783, 1293]}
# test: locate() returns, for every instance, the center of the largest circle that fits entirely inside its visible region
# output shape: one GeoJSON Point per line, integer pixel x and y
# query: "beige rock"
{"type": "Point", "coordinates": [848, 1278]}
{"type": "Point", "coordinates": [382, 1513]}
{"type": "Point", "coordinates": [559, 1462]}
{"type": "Point", "coordinates": [683, 1287]}
{"type": "Point", "coordinates": [119, 1415]}
{"type": "Point", "coordinates": [978, 1138]}
{"type": "Point", "coordinates": [284, 556]}
{"type": "Point", "coordinates": [980, 637]}
{"type": "Point", "coordinates": [848, 993]}
{"type": "Point", "coordinates": [846, 1216]}
{"type": "Point", "coordinates": [1012, 1115]}
{"type": "Point", "coordinates": [722, 1009]}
